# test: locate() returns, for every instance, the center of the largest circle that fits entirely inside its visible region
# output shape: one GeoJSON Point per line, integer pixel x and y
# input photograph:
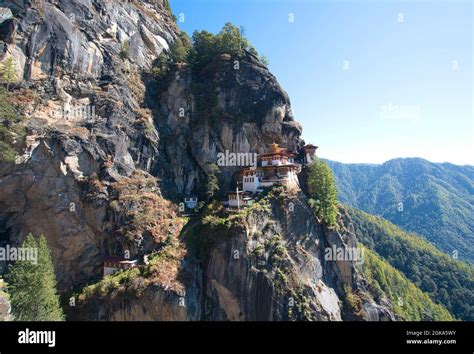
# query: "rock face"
{"type": "Point", "coordinates": [110, 151]}
{"type": "Point", "coordinates": [78, 63]}
{"type": "Point", "coordinates": [274, 268]}
{"type": "Point", "coordinates": [248, 111]}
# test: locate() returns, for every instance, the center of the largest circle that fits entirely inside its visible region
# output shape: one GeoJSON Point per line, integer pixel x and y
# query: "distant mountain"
{"type": "Point", "coordinates": [446, 281]}
{"type": "Point", "coordinates": [435, 200]}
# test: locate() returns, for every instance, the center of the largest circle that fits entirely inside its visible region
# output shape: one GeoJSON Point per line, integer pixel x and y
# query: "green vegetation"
{"type": "Point", "coordinates": [201, 236]}
{"type": "Point", "coordinates": [212, 186]}
{"type": "Point", "coordinates": [410, 303]}
{"type": "Point", "coordinates": [322, 192]}
{"type": "Point", "coordinates": [163, 269]}
{"type": "Point", "coordinates": [11, 129]}
{"type": "Point", "coordinates": [352, 300]}
{"type": "Point", "coordinates": [229, 40]}
{"type": "Point", "coordinates": [110, 285]}
{"type": "Point", "coordinates": [203, 48]}
{"type": "Point", "coordinates": [181, 48]}
{"type": "Point", "coordinates": [32, 285]}
{"type": "Point", "coordinates": [437, 199]}
{"type": "Point", "coordinates": [167, 6]}
{"type": "Point", "coordinates": [264, 60]}
{"type": "Point", "coordinates": [443, 279]}
{"type": "Point", "coordinates": [8, 72]}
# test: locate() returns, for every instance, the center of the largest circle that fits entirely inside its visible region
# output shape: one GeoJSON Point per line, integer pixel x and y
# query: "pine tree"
{"type": "Point", "coordinates": [322, 190]}
{"type": "Point", "coordinates": [212, 181]}
{"type": "Point", "coordinates": [11, 129]}
{"type": "Point", "coordinates": [8, 72]}
{"type": "Point", "coordinates": [32, 285]}
{"type": "Point", "coordinates": [264, 60]}
{"type": "Point", "coordinates": [180, 48]}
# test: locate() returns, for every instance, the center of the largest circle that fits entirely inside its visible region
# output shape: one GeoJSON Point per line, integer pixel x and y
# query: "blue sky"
{"type": "Point", "coordinates": [368, 80]}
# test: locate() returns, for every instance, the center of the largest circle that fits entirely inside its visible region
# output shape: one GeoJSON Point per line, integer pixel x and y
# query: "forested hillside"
{"type": "Point", "coordinates": [445, 280]}
{"type": "Point", "coordinates": [435, 200]}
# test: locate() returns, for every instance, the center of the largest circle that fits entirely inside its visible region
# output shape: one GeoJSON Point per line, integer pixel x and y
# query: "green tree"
{"type": "Point", "coordinates": [253, 51]}
{"type": "Point", "coordinates": [11, 129]}
{"type": "Point", "coordinates": [230, 40]}
{"type": "Point", "coordinates": [8, 72]}
{"type": "Point", "coordinates": [32, 285]}
{"type": "Point", "coordinates": [181, 48]}
{"type": "Point", "coordinates": [264, 60]}
{"type": "Point", "coordinates": [212, 181]}
{"type": "Point", "coordinates": [204, 46]}
{"type": "Point", "coordinates": [322, 191]}
{"type": "Point", "coordinates": [161, 65]}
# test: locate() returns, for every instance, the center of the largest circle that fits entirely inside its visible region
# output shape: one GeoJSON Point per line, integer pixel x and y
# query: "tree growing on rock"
{"type": "Point", "coordinates": [264, 60]}
{"type": "Point", "coordinates": [181, 48]}
{"type": "Point", "coordinates": [11, 129]}
{"type": "Point", "coordinates": [231, 40]}
{"type": "Point", "coordinates": [322, 191]}
{"type": "Point", "coordinates": [32, 284]}
{"type": "Point", "coordinates": [8, 72]}
{"type": "Point", "coordinates": [212, 182]}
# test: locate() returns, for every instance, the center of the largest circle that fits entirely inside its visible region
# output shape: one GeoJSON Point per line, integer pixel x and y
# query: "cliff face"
{"type": "Point", "coordinates": [274, 269]}
{"type": "Point", "coordinates": [232, 104]}
{"type": "Point", "coordinates": [72, 57]}
{"type": "Point", "coordinates": [107, 181]}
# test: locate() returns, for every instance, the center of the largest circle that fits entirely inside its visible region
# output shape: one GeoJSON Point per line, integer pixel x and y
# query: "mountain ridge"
{"type": "Point", "coordinates": [436, 200]}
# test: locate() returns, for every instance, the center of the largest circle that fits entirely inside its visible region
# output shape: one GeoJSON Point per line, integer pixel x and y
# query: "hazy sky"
{"type": "Point", "coordinates": [368, 80]}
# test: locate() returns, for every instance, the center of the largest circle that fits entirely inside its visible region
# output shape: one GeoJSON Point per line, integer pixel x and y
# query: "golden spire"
{"type": "Point", "coordinates": [274, 147]}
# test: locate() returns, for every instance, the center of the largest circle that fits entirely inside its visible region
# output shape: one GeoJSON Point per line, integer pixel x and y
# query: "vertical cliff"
{"type": "Point", "coordinates": [72, 57]}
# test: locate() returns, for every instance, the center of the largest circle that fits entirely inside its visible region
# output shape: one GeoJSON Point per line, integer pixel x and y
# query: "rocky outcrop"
{"type": "Point", "coordinates": [167, 287]}
{"type": "Point", "coordinates": [77, 64]}
{"type": "Point", "coordinates": [273, 269]}
{"type": "Point", "coordinates": [231, 104]}
{"type": "Point", "coordinates": [273, 265]}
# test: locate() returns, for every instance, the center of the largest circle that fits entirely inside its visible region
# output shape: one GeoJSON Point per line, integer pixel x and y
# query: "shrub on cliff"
{"type": "Point", "coordinates": [230, 40]}
{"type": "Point", "coordinates": [179, 52]}
{"type": "Point", "coordinates": [212, 186]}
{"type": "Point", "coordinates": [322, 191]}
{"type": "Point", "coordinates": [10, 128]}
{"type": "Point", "coordinates": [32, 285]}
{"type": "Point", "coordinates": [181, 48]}
{"type": "Point", "coordinates": [8, 72]}
{"type": "Point", "coordinates": [202, 48]}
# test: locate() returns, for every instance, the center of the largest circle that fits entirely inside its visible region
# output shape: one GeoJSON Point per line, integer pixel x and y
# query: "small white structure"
{"type": "Point", "coordinates": [113, 264]}
{"type": "Point", "coordinates": [191, 201]}
{"type": "Point", "coordinates": [239, 199]}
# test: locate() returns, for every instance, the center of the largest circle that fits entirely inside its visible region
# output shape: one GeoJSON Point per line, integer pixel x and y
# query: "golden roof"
{"type": "Point", "coordinates": [275, 148]}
